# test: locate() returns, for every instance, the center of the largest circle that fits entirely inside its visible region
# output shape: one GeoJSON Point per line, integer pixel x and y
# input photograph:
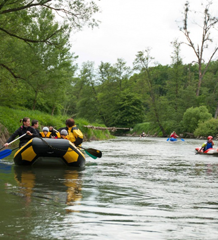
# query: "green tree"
{"type": "Point", "coordinates": [129, 110]}
{"type": "Point", "coordinates": [150, 75]}
{"type": "Point", "coordinates": [194, 116]}
{"type": "Point", "coordinates": [209, 127]}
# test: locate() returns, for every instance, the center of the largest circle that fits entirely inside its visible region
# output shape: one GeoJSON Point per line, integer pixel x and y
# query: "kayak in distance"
{"type": "Point", "coordinates": [209, 151]}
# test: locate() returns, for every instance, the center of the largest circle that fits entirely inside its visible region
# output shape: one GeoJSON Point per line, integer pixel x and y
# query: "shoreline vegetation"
{"type": "Point", "coordinates": [10, 121]}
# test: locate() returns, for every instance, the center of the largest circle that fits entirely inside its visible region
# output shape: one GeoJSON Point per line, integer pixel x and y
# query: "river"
{"type": "Point", "coordinates": [141, 188]}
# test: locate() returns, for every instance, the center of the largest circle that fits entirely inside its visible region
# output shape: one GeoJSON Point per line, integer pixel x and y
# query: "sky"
{"type": "Point", "coordinates": [130, 26]}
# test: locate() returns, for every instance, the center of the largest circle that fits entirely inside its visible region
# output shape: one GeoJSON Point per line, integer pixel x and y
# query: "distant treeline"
{"type": "Point", "coordinates": [38, 71]}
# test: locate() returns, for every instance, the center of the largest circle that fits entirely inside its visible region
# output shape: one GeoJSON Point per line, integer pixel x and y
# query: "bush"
{"type": "Point", "coordinates": [209, 127]}
{"type": "Point", "coordinates": [194, 116]}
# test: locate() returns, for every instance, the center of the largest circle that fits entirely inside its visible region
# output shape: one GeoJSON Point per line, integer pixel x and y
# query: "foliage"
{"type": "Point", "coordinates": [193, 116]}
{"type": "Point", "coordinates": [10, 118]}
{"type": "Point", "coordinates": [209, 127]}
{"type": "Point", "coordinates": [38, 71]}
{"type": "Point", "coordinates": [142, 127]}
{"type": "Point", "coordinates": [129, 111]}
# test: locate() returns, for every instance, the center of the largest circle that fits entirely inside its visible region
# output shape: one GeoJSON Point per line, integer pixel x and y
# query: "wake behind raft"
{"type": "Point", "coordinates": [49, 151]}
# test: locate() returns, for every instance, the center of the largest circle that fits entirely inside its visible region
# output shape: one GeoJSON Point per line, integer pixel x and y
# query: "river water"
{"type": "Point", "coordinates": [146, 188]}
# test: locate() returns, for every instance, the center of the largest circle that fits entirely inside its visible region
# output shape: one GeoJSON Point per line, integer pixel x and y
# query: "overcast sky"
{"type": "Point", "coordinates": [129, 26]}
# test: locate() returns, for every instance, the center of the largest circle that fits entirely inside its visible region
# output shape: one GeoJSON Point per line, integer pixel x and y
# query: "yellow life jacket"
{"type": "Point", "coordinates": [59, 136]}
{"type": "Point", "coordinates": [75, 135]}
{"type": "Point", "coordinates": [65, 137]}
{"type": "Point", "coordinates": [48, 135]}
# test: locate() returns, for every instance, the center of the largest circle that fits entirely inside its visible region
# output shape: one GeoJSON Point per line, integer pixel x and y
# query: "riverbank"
{"type": "Point", "coordinates": [10, 121]}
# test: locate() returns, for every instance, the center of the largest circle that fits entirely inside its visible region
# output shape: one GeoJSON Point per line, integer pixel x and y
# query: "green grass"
{"type": "Point", "coordinates": [10, 119]}
{"type": "Point", "coordinates": [146, 127]}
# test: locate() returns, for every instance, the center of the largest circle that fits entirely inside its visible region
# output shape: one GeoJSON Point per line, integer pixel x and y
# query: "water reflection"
{"type": "Point", "coordinates": [5, 167]}
{"type": "Point", "coordinates": [210, 169]}
{"type": "Point", "coordinates": [50, 185]}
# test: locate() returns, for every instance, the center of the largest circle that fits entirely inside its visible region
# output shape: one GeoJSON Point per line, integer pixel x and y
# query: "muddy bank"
{"type": "Point", "coordinates": [4, 134]}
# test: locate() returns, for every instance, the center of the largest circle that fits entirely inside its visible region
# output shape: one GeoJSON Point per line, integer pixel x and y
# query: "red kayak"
{"type": "Point", "coordinates": [210, 151]}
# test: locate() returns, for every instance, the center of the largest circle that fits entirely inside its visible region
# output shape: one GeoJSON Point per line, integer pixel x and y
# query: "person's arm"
{"type": "Point", "coordinates": [203, 145]}
{"type": "Point", "coordinates": [14, 135]}
{"type": "Point", "coordinates": [78, 136]}
{"type": "Point", "coordinates": [33, 132]}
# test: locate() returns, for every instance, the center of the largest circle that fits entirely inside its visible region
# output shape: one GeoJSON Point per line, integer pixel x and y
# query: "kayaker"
{"type": "Point", "coordinates": [74, 134]}
{"type": "Point", "coordinates": [24, 129]}
{"type": "Point", "coordinates": [174, 135]}
{"type": "Point", "coordinates": [142, 135]}
{"type": "Point", "coordinates": [208, 144]}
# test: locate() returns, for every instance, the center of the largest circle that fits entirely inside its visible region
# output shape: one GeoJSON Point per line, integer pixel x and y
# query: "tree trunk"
{"type": "Point", "coordinates": [53, 109]}
{"type": "Point", "coordinates": [34, 102]}
{"type": "Point", "coordinates": [216, 112]}
{"type": "Point", "coordinates": [200, 79]}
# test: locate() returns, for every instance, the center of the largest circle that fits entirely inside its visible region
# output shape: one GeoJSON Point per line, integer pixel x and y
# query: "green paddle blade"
{"type": "Point", "coordinates": [94, 157]}
{"type": "Point", "coordinates": [94, 152]}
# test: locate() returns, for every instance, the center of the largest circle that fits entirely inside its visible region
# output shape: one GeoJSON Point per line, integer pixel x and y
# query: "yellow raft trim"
{"type": "Point", "coordinates": [71, 156]}
{"type": "Point", "coordinates": [28, 154]}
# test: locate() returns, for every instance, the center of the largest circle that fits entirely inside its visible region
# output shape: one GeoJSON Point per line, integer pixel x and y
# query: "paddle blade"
{"type": "Point", "coordinates": [90, 155]}
{"type": "Point", "coordinates": [182, 139]}
{"type": "Point", "coordinates": [94, 152]}
{"type": "Point", "coordinates": [5, 153]}
{"type": "Point", "coordinates": [168, 139]}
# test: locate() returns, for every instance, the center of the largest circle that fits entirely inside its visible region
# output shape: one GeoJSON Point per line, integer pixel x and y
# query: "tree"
{"type": "Point", "coordinates": [209, 24]}
{"type": "Point", "coordinates": [129, 110]}
{"type": "Point", "coordinates": [142, 62]}
{"type": "Point", "coordinates": [18, 18]}
{"type": "Point", "coordinates": [209, 127]}
{"type": "Point", "coordinates": [193, 116]}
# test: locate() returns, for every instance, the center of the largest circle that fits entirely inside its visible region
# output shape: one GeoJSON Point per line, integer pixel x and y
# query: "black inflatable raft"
{"type": "Point", "coordinates": [50, 151]}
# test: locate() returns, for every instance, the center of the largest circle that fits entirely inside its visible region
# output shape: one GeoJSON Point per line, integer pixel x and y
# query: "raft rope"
{"type": "Point", "coordinates": [54, 147]}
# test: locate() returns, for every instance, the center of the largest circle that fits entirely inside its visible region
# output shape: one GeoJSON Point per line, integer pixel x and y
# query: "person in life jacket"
{"type": "Point", "coordinates": [174, 135]}
{"type": "Point", "coordinates": [25, 128]}
{"type": "Point", "coordinates": [74, 134]}
{"type": "Point", "coordinates": [64, 134]}
{"type": "Point", "coordinates": [208, 144]}
{"type": "Point", "coordinates": [45, 133]}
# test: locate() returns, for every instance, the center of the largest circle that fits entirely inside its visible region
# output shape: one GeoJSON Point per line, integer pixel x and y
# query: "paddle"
{"type": "Point", "coordinates": [14, 140]}
{"type": "Point", "coordinates": [93, 153]}
{"type": "Point", "coordinates": [6, 152]}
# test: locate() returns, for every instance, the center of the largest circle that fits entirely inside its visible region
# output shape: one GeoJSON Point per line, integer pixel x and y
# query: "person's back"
{"type": "Point", "coordinates": [74, 134]}
{"type": "Point", "coordinates": [173, 135]}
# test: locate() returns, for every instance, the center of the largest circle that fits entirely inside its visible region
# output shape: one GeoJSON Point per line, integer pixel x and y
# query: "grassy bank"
{"type": "Point", "coordinates": [147, 128]}
{"type": "Point", "coordinates": [10, 119]}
